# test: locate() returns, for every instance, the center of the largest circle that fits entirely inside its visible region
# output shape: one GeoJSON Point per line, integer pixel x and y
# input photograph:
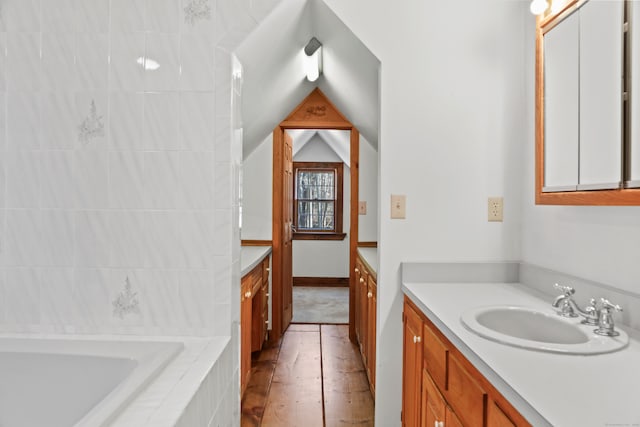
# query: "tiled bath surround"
{"type": "Point", "coordinates": [119, 165]}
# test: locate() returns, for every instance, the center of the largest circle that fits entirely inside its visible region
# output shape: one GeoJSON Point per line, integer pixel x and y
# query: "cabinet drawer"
{"type": "Point", "coordinates": [497, 418]}
{"type": "Point", "coordinates": [464, 395]}
{"type": "Point", "coordinates": [435, 357]}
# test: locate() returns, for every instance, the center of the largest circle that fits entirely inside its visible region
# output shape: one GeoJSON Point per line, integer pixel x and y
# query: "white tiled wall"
{"type": "Point", "coordinates": [119, 168]}
{"type": "Point", "coordinates": [118, 164]}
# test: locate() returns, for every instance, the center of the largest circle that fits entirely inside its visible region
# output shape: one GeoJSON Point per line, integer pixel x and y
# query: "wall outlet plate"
{"type": "Point", "coordinates": [495, 206]}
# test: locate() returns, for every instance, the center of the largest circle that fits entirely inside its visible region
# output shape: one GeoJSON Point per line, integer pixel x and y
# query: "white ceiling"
{"type": "Point", "coordinates": [274, 79]}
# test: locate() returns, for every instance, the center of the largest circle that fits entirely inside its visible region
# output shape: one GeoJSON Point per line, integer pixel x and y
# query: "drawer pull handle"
{"type": "Point", "coordinates": [369, 295]}
{"type": "Point", "coordinates": [267, 294]}
{"type": "Point", "coordinates": [247, 294]}
{"type": "Point", "coordinates": [268, 269]}
{"type": "Point", "coordinates": [361, 280]}
{"type": "Point", "coordinates": [416, 339]}
{"type": "Point", "coordinates": [356, 270]}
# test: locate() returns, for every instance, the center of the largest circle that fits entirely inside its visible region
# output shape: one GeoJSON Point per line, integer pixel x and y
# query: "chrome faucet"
{"type": "Point", "coordinates": [606, 325]}
{"type": "Point", "coordinates": [569, 306]}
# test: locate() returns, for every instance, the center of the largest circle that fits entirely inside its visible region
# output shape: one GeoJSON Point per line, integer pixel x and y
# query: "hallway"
{"type": "Point", "coordinates": [314, 377]}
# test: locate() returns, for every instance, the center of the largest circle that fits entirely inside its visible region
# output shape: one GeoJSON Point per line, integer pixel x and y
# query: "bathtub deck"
{"type": "Point", "coordinates": [315, 377]}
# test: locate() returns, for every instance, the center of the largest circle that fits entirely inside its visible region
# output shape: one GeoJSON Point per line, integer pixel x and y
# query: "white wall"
{"type": "Point", "coordinates": [598, 243]}
{"type": "Point", "coordinates": [368, 192]}
{"type": "Point", "coordinates": [257, 192]}
{"type": "Point", "coordinates": [452, 129]}
{"type": "Point", "coordinates": [323, 258]}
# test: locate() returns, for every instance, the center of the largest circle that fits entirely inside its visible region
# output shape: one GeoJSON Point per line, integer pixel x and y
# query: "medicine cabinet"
{"type": "Point", "coordinates": [587, 146]}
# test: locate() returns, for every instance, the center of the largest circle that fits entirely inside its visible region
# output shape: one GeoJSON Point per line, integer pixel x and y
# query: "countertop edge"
{"type": "Point", "coordinates": [251, 256]}
{"type": "Point", "coordinates": [365, 255]}
{"type": "Point", "coordinates": [519, 403]}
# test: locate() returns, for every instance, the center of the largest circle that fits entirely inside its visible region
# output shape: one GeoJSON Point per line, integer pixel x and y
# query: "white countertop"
{"type": "Point", "coordinates": [370, 258]}
{"type": "Point", "coordinates": [250, 256]}
{"type": "Point", "coordinates": [548, 389]}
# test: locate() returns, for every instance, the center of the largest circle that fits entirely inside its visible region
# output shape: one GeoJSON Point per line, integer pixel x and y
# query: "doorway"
{"type": "Point", "coordinates": [316, 112]}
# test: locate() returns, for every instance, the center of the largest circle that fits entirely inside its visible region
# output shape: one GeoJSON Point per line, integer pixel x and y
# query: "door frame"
{"type": "Point", "coordinates": [315, 112]}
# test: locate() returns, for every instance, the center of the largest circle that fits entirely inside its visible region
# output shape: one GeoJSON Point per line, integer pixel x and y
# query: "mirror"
{"type": "Point", "coordinates": [580, 105]}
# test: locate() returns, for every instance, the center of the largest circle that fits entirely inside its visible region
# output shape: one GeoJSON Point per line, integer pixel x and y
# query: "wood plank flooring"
{"type": "Point", "coordinates": [314, 377]}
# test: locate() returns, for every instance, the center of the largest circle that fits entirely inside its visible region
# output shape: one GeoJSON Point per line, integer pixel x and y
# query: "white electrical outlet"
{"type": "Point", "coordinates": [495, 209]}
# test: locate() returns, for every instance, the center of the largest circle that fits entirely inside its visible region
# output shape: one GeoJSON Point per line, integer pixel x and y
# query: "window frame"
{"type": "Point", "coordinates": [338, 208]}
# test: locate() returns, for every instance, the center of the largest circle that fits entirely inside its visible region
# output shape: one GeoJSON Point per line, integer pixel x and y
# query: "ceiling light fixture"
{"type": "Point", "coordinates": [538, 7]}
{"type": "Point", "coordinates": [313, 59]}
{"type": "Point", "coordinates": [148, 63]}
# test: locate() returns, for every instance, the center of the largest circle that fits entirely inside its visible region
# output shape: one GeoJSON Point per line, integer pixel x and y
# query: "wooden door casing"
{"type": "Point", "coordinates": [287, 243]}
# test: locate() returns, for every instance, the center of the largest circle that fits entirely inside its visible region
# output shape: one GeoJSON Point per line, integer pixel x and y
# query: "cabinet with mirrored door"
{"type": "Point", "coordinates": [587, 129]}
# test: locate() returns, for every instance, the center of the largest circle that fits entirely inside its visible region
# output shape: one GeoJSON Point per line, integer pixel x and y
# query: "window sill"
{"type": "Point", "coordinates": [319, 236]}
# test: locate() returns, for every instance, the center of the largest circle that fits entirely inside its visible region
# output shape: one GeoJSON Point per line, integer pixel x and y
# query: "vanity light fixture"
{"type": "Point", "coordinates": [313, 59]}
{"type": "Point", "coordinates": [538, 7]}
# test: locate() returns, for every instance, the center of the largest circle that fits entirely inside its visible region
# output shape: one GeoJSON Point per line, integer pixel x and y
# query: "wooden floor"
{"type": "Point", "coordinates": [313, 377]}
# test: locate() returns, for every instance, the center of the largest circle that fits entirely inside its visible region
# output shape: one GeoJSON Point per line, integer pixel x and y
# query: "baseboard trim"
{"type": "Point", "coordinates": [335, 282]}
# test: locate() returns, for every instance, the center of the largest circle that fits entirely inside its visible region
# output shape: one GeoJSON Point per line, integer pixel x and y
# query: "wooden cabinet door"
{"type": "Point", "coordinates": [371, 332]}
{"type": "Point", "coordinates": [497, 418]}
{"type": "Point", "coordinates": [433, 405]}
{"type": "Point", "coordinates": [362, 288]}
{"type": "Point", "coordinates": [358, 294]}
{"type": "Point", "coordinates": [411, 367]}
{"type": "Point", "coordinates": [245, 333]}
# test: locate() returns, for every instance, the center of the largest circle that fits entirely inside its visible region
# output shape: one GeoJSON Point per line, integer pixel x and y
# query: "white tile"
{"type": "Point", "coordinates": [223, 278]}
{"type": "Point", "coordinates": [56, 297]}
{"type": "Point", "coordinates": [198, 17]}
{"type": "Point", "coordinates": [125, 120]}
{"type": "Point", "coordinates": [91, 297]}
{"type": "Point", "coordinates": [223, 138]}
{"type": "Point", "coordinates": [164, 50]}
{"type": "Point", "coordinates": [222, 232]}
{"type": "Point", "coordinates": [165, 241]}
{"type": "Point", "coordinates": [2, 295]}
{"type": "Point", "coordinates": [126, 182]}
{"type": "Point", "coordinates": [195, 292]}
{"type": "Point", "coordinates": [20, 16]}
{"type": "Point", "coordinates": [127, 15]}
{"type": "Point", "coordinates": [57, 179]}
{"type": "Point", "coordinates": [129, 243]}
{"type": "Point", "coordinates": [23, 179]}
{"type": "Point", "coordinates": [22, 238]}
{"type": "Point", "coordinates": [162, 16]}
{"type": "Point", "coordinates": [197, 180]}
{"type": "Point", "coordinates": [93, 16]}
{"type": "Point", "coordinates": [126, 290]}
{"type": "Point", "coordinates": [127, 53]}
{"type": "Point", "coordinates": [22, 296]}
{"type": "Point", "coordinates": [161, 121]}
{"type": "Point", "coordinates": [92, 239]}
{"type": "Point", "coordinates": [59, 127]}
{"type": "Point", "coordinates": [199, 239]}
{"type": "Point", "coordinates": [92, 189]}
{"type": "Point", "coordinates": [23, 120]}
{"type": "Point", "coordinates": [220, 323]}
{"type": "Point", "coordinates": [197, 63]}
{"type": "Point", "coordinates": [24, 70]}
{"type": "Point", "coordinates": [162, 180]}
{"type": "Point", "coordinates": [59, 16]}
{"type": "Point", "coordinates": [56, 238]}
{"type": "Point", "coordinates": [197, 118]}
{"type": "Point", "coordinates": [58, 61]}
{"type": "Point", "coordinates": [3, 121]}
{"type": "Point", "coordinates": [3, 61]}
{"type": "Point", "coordinates": [160, 298]}
{"type": "Point", "coordinates": [223, 181]}
{"type": "Point", "coordinates": [3, 158]}
{"type": "Point", "coordinates": [92, 119]}
{"type": "Point", "coordinates": [92, 51]}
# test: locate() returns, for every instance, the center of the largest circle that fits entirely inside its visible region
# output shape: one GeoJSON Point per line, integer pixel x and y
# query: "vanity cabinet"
{"type": "Point", "coordinates": [254, 316]}
{"type": "Point", "coordinates": [366, 291]}
{"type": "Point", "coordinates": [440, 387]}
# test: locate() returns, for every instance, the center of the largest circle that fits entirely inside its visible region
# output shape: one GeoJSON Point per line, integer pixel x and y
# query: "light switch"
{"type": "Point", "coordinates": [362, 208]}
{"type": "Point", "coordinates": [398, 206]}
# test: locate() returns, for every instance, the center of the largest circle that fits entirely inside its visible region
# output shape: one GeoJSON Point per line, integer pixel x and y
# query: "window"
{"type": "Point", "coordinates": [317, 212]}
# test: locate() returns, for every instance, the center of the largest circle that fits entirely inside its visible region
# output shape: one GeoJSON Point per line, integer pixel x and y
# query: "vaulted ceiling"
{"type": "Point", "coordinates": [274, 78]}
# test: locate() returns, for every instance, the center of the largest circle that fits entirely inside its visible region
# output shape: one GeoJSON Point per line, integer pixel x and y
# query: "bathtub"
{"type": "Point", "coordinates": [74, 382]}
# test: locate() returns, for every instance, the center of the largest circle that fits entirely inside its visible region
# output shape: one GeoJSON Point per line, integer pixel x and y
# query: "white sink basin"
{"type": "Point", "coordinates": [539, 330]}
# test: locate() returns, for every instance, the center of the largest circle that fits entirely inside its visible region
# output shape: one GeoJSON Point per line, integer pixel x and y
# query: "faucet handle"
{"type": "Point", "coordinates": [606, 304]}
{"type": "Point", "coordinates": [567, 290]}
